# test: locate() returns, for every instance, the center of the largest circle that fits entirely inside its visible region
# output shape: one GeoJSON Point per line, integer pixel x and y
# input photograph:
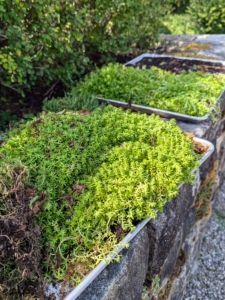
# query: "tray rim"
{"type": "Point", "coordinates": [155, 55]}
{"type": "Point", "coordinates": [162, 113]}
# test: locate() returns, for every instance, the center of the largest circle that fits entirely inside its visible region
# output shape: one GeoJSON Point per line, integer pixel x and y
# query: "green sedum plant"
{"type": "Point", "coordinates": [71, 101]}
{"type": "Point", "coordinates": [101, 173]}
{"type": "Point", "coordinates": [193, 93]}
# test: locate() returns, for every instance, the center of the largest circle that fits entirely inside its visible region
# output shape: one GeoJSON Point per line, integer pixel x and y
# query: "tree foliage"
{"type": "Point", "coordinates": [208, 15]}
{"type": "Point", "coordinates": [43, 41]}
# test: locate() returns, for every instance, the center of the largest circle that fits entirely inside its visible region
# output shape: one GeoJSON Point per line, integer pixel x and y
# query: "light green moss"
{"type": "Point", "coordinates": [107, 168]}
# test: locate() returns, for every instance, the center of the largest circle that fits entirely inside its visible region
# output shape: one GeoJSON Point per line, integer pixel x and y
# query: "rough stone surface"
{"type": "Point", "coordinates": [192, 244]}
{"type": "Point", "coordinates": [194, 45]}
{"type": "Point", "coordinates": [175, 250]}
{"type": "Point", "coordinates": [165, 236]}
{"type": "Point", "coordinates": [124, 280]}
{"type": "Point", "coordinates": [191, 247]}
{"type": "Point", "coordinates": [207, 282]}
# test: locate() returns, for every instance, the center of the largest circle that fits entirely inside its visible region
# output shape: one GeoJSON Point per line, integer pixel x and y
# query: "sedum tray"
{"type": "Point", "coordinates": [160, 112]}
{"type": "Point", "coordinates": [77, 291]}
{"type": "Point", "coordinates": [166, 113]}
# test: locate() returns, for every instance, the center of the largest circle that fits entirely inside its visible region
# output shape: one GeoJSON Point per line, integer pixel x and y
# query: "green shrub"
{"type": "Point", "coordinates": [5, 118]}
{"type": "Point", "coordinates": [44, 41]}
{"type": "Point", "coordinates": [128, 24]}
{"type": "Point", "coordinates": [101, 170]}
{"type": "Point", "coordinates": [181, 6]}
{"type": "Point", "coordinates": [189, 93]}
{"type": "Point", "coordinates": [178, 24]}
{"type": "Point", "coordinates": [208, 15]}
{"type": "Point", "coordinates": [40, 42]}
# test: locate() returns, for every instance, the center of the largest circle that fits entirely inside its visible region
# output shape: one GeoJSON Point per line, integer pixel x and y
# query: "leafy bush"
{"type": "Point", "coordinates": [181, 6]}
{"type": "Point", "coordinates": [178, 24]}
{"type": "Point", "coordinates": [121, 26]}
{"type": "Point", "coordinates": [98, 171]}
{"type": "Point", "coordinates": [44, 41]}
{"type": "Point", "coordinates": [37, 42]}
{"type": "Point", "coordinates": [71, 101]}
{"type": "Point", "coordinates": [208, 15]}
{"type": "Point", "coordinates": [5, 118]}
{"type": "Point", "coordinates": [189, 93]}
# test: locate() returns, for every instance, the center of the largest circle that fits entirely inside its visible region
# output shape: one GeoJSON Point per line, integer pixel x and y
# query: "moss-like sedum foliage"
{"type": "Point", "coordinates": [99, 171]}
{"type": "Point", "coordinates": [73, 100]}
{"type": "Point", "coordinates": [191, 93]}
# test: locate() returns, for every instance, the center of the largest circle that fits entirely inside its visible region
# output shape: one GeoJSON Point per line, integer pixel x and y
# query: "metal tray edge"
{"type": "Point", "coordinates": [153, 55]}
{"type": "Point", "coordinates": [102, 265]}
{"type": "Point", "coordinates": [150, 110]}
{"type": "Point", "coordinates": [207, 154]}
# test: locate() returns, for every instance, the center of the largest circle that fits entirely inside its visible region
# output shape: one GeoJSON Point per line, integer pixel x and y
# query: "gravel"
{"type": "Point", "coordinates": [208, 282]}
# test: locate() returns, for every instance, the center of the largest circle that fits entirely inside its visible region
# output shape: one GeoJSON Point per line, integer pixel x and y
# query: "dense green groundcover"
{"type": "Point", "coordinates": [72, 100]}
{"type": "Point", "coordinates": [191, 93]}
{"type": "Point", "coordinates": [110, 167]}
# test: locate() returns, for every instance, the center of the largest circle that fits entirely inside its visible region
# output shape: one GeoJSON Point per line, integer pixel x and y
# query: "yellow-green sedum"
{"type": "Point", "coordinates": [107, 168]}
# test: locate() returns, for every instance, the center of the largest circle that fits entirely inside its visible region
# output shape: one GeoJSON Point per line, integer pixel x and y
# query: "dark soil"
{"type": "Point", "coordinates": [20, 253]}
{"type": "Point", "coordinates": [32, 102]}
{"type": "Point", "coordinates": [178, 65]}
{"type": "Point", "coordinates": [119, 232]}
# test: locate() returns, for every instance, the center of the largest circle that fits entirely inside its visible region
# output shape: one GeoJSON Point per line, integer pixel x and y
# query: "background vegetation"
{"type": "Point", "coordinates": [195, 17]}
{"type": "Point", "coordinates": [43, 41]}
{"type": "Point", "coordinates": [208, 16]}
